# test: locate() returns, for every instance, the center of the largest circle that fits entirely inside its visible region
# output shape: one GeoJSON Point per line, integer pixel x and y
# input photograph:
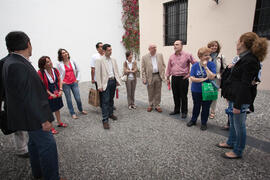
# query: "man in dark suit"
{"type": "Point", "coordinates": [20, 137]}
{"type": "Point", "coordinates": [28, 107]}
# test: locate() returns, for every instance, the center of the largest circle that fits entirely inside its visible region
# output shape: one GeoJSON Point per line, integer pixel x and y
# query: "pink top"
{"type": "Point", "coordinates": [69, 75]}
{"type": "Point", "coordinates": [179, 65]}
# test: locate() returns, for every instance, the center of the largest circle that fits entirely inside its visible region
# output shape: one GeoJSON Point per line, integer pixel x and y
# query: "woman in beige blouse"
{"type": "Point", "coordinates": [220, 63]}
{"type": "Point", "coordinates": [130, 69]}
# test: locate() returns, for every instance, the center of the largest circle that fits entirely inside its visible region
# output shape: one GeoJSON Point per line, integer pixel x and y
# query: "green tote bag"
{"type": "Point", "coordinates": [209, 92]}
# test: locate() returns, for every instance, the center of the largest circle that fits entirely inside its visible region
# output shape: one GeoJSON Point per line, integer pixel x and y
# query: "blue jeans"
{"type": "Point", "coordinates": [237, 134]}
{"type": "Point", "coordinates": [107, 100]}
{"type": "Point", "coordinates": [76, 93]}
{"type": "Point", "coordinates": [197, 104]}
{"type": "Point", "coordinates": [43, 155]}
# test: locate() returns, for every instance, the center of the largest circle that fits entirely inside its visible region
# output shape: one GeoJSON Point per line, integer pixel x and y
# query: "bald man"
{"type": "Point", "coordinates": [153, 73]}
{"type": "Point", "coordinates": [179, 68]}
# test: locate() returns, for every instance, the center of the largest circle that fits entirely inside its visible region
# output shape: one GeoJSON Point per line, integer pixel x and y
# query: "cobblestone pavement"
{"type": "Point", "coordinates": [142, 145]}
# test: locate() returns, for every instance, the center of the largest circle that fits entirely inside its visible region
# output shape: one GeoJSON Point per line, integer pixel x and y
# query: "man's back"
{"type": "Point", "coordinates": [2, 61]}
{"type": "Point", "coordinates": [26, 98]}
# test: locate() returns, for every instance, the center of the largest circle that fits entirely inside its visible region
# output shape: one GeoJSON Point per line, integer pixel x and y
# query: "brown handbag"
{"type": "Point", "coordinates": [93, 97]}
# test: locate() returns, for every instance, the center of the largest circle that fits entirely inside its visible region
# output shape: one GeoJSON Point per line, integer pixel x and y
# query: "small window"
{"type": "Point", "coordinates": [175, 18]}
{"type": "Point", "coordinates": [261, 24]}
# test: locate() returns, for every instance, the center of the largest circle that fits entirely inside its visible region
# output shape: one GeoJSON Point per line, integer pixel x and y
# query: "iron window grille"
{"type": "Point", "coordinates": [175, 21]}
{"type": "Point", "coordinates": [261, 24]}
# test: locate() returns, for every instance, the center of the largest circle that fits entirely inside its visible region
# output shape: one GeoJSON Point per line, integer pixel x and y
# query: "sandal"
{"type": "Point", "coordinates": [225, 128]}
{"type": "Point", "coordinates": [212, 115]}
{"type": "Point", "coordinates": [54, 131]}
{"type": "Point", "coordinates": [62, 125]}
{"type": "Point", "coordinates": [224, 155]}
{"type": "Point", "coordinates": [74, 116]}
{"type": "Point", "coordinates": [83, 112]}
{"type": "Point", "coordinates": [222, 146]}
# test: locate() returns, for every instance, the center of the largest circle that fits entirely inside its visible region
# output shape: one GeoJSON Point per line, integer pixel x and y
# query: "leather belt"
{"type": "Point", "coordinates": [111, 78]}
{"type": "Point", "coordinates": [156, 73]}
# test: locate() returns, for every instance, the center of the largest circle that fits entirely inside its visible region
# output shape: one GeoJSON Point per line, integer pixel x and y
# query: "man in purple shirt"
{"type": "Point", "coordinates": [179, 68]}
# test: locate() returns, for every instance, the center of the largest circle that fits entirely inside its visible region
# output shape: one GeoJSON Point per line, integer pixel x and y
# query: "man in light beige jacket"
{"type": "Point", "coordinates": [107, 77]}
{"type": "Point", "coordinates": [153, 73]}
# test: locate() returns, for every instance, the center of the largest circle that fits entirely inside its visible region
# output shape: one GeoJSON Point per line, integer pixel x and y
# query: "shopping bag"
{"type": "Point", "coordinates": [209, 92]}
{"type": "Point", "coordinates": [124, 78]}
{"type": "Point", "coordinates": [93, 97]}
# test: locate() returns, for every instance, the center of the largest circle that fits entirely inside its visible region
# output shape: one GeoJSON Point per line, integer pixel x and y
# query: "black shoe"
{"type": "Point", "coordinates": [191, 123]}
{"type": "Point", "coordinates": [113, 117]}
{"type": "Point", "coordinates": [25, 155]}
{"type": "Point", "coordinates": [114, 108]}
{"type": "Point", "coordinates": [203, 127]}
{"type": "Point", "coordinates": [173, 113]}
{"type": "Point", "coordinates": [184, 116]}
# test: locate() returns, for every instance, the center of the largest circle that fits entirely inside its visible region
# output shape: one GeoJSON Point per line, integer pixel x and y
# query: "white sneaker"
{"type": "Point", "coordinates": [129, 107]}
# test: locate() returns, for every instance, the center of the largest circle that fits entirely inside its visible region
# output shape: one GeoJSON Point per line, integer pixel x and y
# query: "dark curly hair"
{"type": "Point", "coordinates": [42, 62]}
{"type": "Point", "coordinates": [128, 53]}
{"type": "Point", "coordinates": [60, 57]}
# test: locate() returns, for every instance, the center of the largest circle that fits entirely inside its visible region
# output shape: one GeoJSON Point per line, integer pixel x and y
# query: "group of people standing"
{"type": "Point", "coordinates": [238, 88]}
{"type": "Point", "coordinates": [31, 97]}
{"type": "Point", "coordinates": [177, 76]}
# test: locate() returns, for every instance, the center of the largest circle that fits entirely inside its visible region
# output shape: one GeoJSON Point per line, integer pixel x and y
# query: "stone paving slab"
{"type": "Point", "coordinates": [142, 145]}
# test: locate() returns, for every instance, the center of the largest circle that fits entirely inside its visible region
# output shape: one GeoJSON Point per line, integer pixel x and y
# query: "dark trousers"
{"type": "Point", "coordinates": [180, 90]}
{"type": "Point", "coordinates": [107, 100]}
{"type": "Point", "coordinates": [198, 103]}
{"type": "Point", "coordinates": [43, 155]}
{"type": "Point", "coordinates": [100, 99]}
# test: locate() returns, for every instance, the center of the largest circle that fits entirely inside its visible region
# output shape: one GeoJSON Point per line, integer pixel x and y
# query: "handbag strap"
{"type": "Point", "coordinates": [201, 69]}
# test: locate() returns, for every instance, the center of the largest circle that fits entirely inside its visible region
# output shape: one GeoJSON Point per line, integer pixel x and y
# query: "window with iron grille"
{"type": "Point", "coordinates": [261, 24]}
{"type": "Point", "coordinates": [175, 21]}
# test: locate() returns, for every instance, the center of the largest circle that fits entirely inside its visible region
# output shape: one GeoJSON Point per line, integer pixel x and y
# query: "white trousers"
{"type": "Point", "coordinates": [21, 140]}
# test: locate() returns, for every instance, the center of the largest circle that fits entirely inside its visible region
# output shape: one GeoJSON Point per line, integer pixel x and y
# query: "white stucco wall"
{"type": "Point", "coordinates": [74, 25]}
{"type": "Point", "coordinates": [207, 21]}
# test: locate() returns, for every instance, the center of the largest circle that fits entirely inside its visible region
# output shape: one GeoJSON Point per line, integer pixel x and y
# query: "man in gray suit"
{"type": "Point", "coordinates": [153, 73]}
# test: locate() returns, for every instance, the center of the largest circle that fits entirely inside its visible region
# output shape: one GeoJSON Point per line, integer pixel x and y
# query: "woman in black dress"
{"type": "Point", "coordinates": [51, 79]}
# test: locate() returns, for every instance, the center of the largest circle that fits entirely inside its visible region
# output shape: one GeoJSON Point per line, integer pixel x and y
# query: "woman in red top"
{"type": "Point", "coordinates": [70, 75]}
{"type": "Point", "coordinates": [51, 79]}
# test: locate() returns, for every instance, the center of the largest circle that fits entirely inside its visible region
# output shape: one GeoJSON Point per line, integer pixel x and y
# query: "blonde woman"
{"type": "Point", "coordinates": [202, 71]}
{"type": "Point", "coordinates": [130, 69]}
{"type": "Point", "coordinates": [220, 63]}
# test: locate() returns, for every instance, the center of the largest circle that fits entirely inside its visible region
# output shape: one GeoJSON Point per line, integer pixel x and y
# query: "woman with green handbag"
{"type": "Point", "coordinates": [201, 74]}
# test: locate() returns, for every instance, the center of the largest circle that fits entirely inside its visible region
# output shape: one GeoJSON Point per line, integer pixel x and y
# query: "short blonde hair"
{"type": "Point", "coordinates": [202, 51]}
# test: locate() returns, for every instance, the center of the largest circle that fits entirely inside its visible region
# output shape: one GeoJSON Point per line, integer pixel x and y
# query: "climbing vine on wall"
{"type": "Point", "coordinates": [130, 19]}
